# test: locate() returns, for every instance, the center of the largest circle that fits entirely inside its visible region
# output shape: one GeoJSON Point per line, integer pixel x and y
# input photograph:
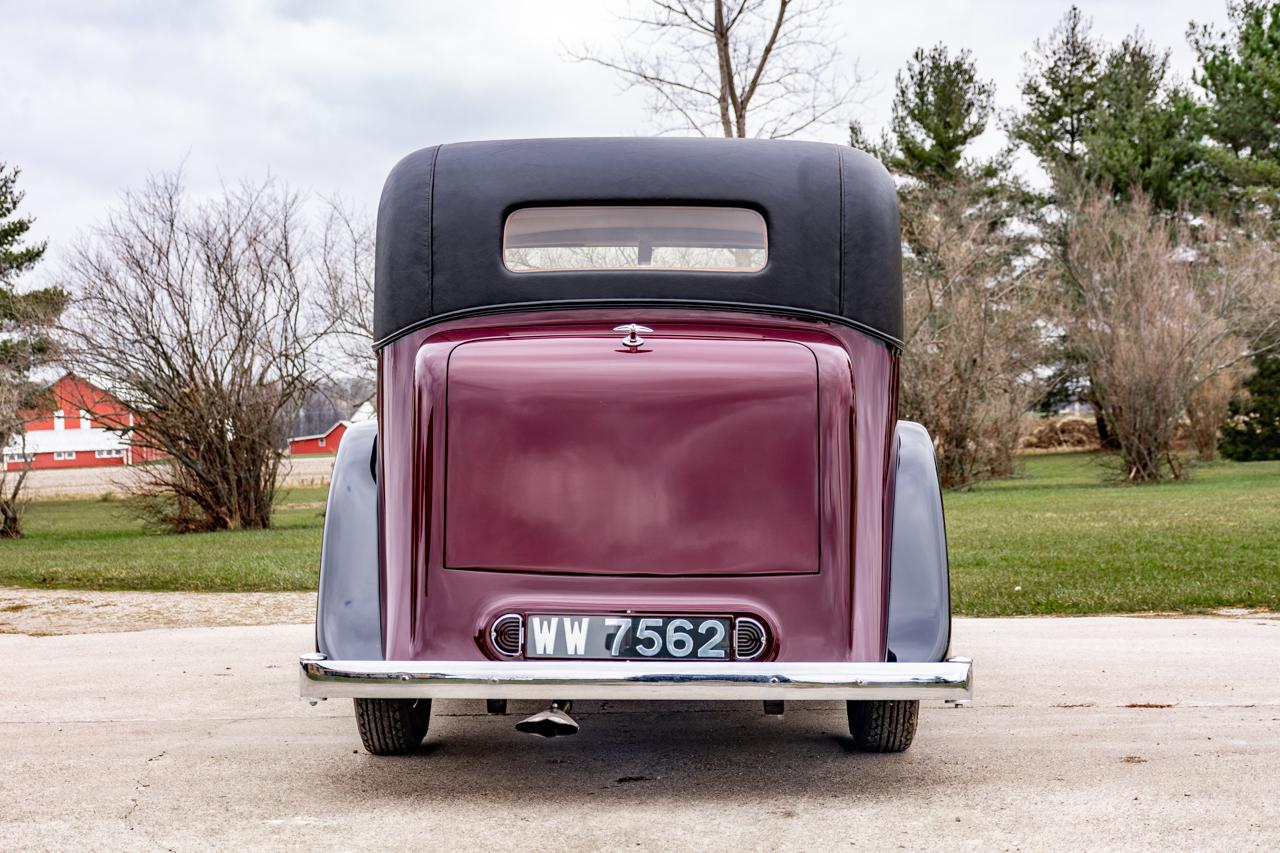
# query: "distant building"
{"type": "Point", "coordinates": [70, 432]}
{"type": "Point", "coordinates": [320, 444]}
{"type": "Point", "coordinates": [325, 443]}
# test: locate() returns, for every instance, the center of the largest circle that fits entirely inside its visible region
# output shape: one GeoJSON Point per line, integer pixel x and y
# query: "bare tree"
{"type": "Point", "coordinates": [735, 67]}
{"type": "Point", "coordinates": [346, 252]}
{"type": "Point", "coordinates": [1210, 401]}
{"type": "Point", "coordinates": [194, 315]}
{"type": "Point", "coordinates": [1156, 310]}
{"type": "Point", "coordinates": [973, 340]}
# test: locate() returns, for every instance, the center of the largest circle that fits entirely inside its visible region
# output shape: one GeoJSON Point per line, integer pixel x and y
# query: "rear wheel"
{"type": "Point", "coordinates": [392, 726]}
{"type": "Point", "coordinates": [884, 725]}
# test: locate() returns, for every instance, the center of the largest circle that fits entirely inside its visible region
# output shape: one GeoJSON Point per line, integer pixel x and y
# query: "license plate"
{"type": "Point", "coordinates": [634, 637]}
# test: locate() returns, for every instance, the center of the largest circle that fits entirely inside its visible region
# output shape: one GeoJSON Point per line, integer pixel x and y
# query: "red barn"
{"type": "Point", "coordinates": [319, 444]}
{"type": "Point", "coordinates": [70, 433]}
{"type": "Point", "coordinates": [326, 443]}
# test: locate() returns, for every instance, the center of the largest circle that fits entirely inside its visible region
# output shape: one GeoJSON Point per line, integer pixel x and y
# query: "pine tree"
{"type": "Point", "coordinates": [1252, 430]}
{"type": "Point", "coordinates": [25, 320]}
{"type": "Point", "coordinates": [939, 107]}
{"type": "Point", "coordinates": [1239, 71]}
{"type": "Point", "coordinates": [1111, 116]}
{"type": "Point", "coordinates": [1060, 91]}
{"type": "Point", "coordinates": [15, 259]}
{"type": "Point", "coordinates": [1147, 131]}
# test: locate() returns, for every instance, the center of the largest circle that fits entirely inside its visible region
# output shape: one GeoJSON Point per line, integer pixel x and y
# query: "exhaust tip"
{"type": "Point", "coordinates": [553, 722]}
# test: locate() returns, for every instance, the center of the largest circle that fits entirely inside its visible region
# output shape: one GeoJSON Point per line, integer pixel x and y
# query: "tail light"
{"type": "Point", "coordinates": [507, 634]}
{"type": "Point", "coordinates": [749, 638]}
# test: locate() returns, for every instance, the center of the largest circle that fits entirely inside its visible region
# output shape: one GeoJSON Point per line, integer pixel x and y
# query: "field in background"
{"type": "Point", "coordinates": [1057, 539]}
{"type": "Point", "coordinates": [94, 544]}
{"type": "Point", "coordinates": [299, 471]}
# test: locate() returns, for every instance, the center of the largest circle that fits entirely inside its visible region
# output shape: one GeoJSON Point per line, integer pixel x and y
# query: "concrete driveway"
{"type": "Point", "coordinates": [1086, 734]}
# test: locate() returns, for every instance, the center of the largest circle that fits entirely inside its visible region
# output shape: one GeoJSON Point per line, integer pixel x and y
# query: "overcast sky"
{"type": "Point", "coordinates": [328, 95]}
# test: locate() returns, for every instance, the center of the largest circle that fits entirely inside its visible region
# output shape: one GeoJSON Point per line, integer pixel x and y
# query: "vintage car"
{"type": "Point", "coordinates": [637, 438]}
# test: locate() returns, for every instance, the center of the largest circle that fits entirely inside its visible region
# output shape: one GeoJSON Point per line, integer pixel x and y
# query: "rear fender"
{"type": "Point", "coordinates": [349, 608]}
{"type": "Point", "coordinates": [919, 577]}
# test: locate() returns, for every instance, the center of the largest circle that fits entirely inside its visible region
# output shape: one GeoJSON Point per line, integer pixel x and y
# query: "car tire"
{"type": "Point", "coordinates": [883, 726]}
{"type": "Point", "coordinates": [392, 726]}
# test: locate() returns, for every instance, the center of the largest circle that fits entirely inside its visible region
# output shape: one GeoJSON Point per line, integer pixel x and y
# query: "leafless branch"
{"type": "Point", "coordinates": [346, 256]}
{"type": "Point", "coordinates": [200, 318]}
{"type": "Point", "coordinates": [764, 68]}
{"type": "Point", "coordinates": [972, 340]}
{"type": "Point", "coordinates": [1157, 308]}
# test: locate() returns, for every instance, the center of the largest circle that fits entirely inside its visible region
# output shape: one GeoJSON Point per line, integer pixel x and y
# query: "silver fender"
{"type": "Point", "coordinates": [919, 576]}
{"type": "Point", "coordinates": [349, 607]}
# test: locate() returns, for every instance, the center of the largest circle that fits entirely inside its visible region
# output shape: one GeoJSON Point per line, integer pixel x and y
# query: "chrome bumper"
{"type": "Point", "coordinates": [321, 678]}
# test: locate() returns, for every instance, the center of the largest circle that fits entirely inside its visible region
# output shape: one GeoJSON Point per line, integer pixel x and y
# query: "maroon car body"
{"type": "Point", "coordinates": [740, 463]}
{"type": "Point", "coordinates": [529, 465]}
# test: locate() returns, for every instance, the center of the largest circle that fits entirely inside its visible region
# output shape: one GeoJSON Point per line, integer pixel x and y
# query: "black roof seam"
{"type": "Point", "coordinates": [840, 307]}
{"type": "Point", "coordinates": [431, 233]}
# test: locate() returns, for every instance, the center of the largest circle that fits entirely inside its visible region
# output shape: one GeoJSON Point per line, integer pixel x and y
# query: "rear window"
{"type": "Point", "coordinates": [726, 239]}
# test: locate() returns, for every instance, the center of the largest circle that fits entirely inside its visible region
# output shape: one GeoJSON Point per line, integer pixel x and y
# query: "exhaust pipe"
{"type": "Point", "coordinates": [553, 722]}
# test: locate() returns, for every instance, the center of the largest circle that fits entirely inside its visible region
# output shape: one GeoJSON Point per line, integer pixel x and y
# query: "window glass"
{"type": "Point", "coordinates": [726, 239]}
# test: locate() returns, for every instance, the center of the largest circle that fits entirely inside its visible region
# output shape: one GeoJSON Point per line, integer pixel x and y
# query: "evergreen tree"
{"type": "Point", "coordinates": [1252, 430]}
{"type": "Point", "coordinates": [15, 259]}
{"type": "Point", "coordinates": [1060, 91]}
{"type": "Point", "coordinates": [939, 107]}
{"type": "Point", "coordinates": [25, 320]}
{"type": "Point", "coordinates": [1146, 131]}
{"type": "Point", "coordinates": [1110, 116]}
{"type": "Point", "coordinates": [1239, 71]}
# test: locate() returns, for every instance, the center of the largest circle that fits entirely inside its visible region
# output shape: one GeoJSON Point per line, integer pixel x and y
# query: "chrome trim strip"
{"type": "Point", "coordinates": [322, 678]}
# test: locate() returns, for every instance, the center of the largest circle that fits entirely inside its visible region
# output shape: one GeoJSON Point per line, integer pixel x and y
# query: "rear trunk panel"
{"type": "Point", "coordinates": [525, 466]}
{"type": "Point", "coordinates": [692, 456]}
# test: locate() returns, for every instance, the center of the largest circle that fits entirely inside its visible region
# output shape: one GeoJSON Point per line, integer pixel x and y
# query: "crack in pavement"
{"type": "Point", "coordinates": [134, 802]}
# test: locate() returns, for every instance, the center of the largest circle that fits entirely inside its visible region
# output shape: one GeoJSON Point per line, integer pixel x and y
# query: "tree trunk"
{"type": "Point", "coordinates": [10, 520]}
{"type": "Point", "coordinates": [1106, 438]}
{"type": "Point", "coordinates": [12, 505]}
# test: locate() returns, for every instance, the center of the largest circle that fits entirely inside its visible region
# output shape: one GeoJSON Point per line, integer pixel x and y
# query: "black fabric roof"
{"type": "Point", "coordinates": [831, 213]}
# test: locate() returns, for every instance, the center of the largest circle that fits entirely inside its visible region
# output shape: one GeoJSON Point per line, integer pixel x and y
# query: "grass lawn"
{"type": "Point", "coordinates": [91, 544]}
{"type": "Point", "coordinates": [1057, 539]}
{"type": "Point", "coordinates": [1060, 540]}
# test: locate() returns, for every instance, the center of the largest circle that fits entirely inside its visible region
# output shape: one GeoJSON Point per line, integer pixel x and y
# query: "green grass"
{"type": "Point", "coordinates": [1058, 539]}
{"type": "Point", "coordinates": [89, 544]}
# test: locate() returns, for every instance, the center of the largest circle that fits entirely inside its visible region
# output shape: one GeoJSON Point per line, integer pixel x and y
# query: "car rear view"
{"type": "Point", "coordinates": [637, 439]}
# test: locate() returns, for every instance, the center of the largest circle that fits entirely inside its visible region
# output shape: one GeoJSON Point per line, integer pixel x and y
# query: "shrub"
{"type": "Point", "coordinates": [1252, 430]}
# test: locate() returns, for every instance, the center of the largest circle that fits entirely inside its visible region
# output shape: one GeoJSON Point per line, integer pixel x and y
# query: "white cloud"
{"type": "Point", "coordinates": [328, 95]}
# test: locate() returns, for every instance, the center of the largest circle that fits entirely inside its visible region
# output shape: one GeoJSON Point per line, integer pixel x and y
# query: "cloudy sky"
{"type": "Point", "coordinates": [328, 95]}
